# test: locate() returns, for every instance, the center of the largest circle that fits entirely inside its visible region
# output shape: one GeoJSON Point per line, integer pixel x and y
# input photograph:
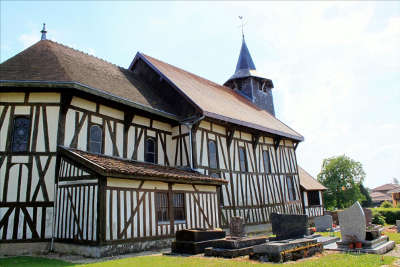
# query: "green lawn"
{"type": "Point", "coordinates": [332, 260]}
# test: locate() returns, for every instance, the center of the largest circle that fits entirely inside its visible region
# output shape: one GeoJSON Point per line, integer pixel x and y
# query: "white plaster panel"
{"type": "Point", "coordinates": [127, 183]}
{"type": "Point", "coordinates": [108, 146]}
{"type": "Point", "coordinates": [4, 129]}
{"type": "Point", "coordinates": [69, 127]}
{"type": "Point", "coordinates": [82, 139]}
{"type": "Point", "coordinates": [162, 126]}
{"type": "Point", "coordinates": [52, 119]}
{"type": "Point", "coordinates": [155, 185]}
{"type": "Point", "coordinates": [219, 129]}
{"type": "Point", "coordinates": [96, 119]}
{"type": "Point", "coordinates": [44, 98]}
{"type": "Point", "coordinates": [151, 133]}
{"type": "Point", "coordinates": [12, 97]}
{"type": "Point", "coordinates": [140, 154]}
{"type": "Point", "coordinates": [22, 110]}
{"type": "Point", "coordinates": [83, 103]}
{"type": "Point", "coordinates": [20, 159]}
{"type": "Point", "coordinates": [141, 120]}
{"type": "Point", "coordinates": [246, 136]}
{"type": "Point", "coordinates": [205, 125]}
{"type": "Point", "coordinates": [120, 138]}
{"type": "Point", "coordinates": [131, 141]}
{"type": "Point", "coordinates": [111, 112]}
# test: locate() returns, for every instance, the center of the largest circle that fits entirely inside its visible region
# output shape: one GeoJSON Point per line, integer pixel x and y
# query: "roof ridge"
{"type": "Point", "coordinates": [82, 52]}
{"type": "Point", "coordinates": [222, 87]}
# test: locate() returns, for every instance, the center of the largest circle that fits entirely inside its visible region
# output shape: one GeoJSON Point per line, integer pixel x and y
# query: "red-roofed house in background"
{"type": "Point", "coordinates": [384, 193]}
{"type": "Point", "coordinates": [119, 159]}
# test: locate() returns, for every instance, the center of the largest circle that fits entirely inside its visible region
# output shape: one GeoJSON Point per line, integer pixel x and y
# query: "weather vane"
{"type": "Point", "coordinates": [242, 25]}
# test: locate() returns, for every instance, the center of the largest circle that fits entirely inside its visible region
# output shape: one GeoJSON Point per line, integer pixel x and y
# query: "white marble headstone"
{"type": "Point", "coordinates": [352, 223]}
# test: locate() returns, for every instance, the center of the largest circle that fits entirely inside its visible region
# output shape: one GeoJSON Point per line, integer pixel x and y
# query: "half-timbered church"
{"type": "Point", "coordinates": [99, 159]}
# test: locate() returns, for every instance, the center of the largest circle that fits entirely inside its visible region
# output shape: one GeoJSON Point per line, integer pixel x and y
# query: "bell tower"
{"type": "Point", "coordinates": [251, 84]}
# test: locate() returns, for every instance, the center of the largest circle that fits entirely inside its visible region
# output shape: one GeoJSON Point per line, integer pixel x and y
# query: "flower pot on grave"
{"type": "Point", "coordinates": [358, 245]}
{"type": "Point", "coordinates": [351, 245]}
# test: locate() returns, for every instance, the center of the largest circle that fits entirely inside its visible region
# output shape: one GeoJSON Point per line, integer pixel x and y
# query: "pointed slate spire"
{"type": "Point", "coordinates": [43, 31]}
{"type": "Point", "coordinates": [245, 61]}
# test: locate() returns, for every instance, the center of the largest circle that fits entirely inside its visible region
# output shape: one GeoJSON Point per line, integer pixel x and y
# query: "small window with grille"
{"type": "Point", "coordinates": [242, 159]}
{"type": "Point", "coordinates": [20, 134]}
{"type": "Point", "coordinates": [267, 162]}
{"type": "Point", "coordinates": [179, 207]}
{"type": "Point", "coordinates": [162, 207]}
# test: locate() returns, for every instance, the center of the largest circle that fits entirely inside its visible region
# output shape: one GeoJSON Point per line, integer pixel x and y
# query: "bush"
{"type": "Point", "coordinates": [378, 219]}
{"type": "Point", "coordinates": [390, 214]}
{"type": "Point", "coordinates": [386, 204]}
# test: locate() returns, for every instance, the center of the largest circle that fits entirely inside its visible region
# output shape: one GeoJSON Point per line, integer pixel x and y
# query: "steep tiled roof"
{"type": "Point", "coordinates": [221, 102]}
{"type": "Point", "coordinates": [53, 62]}
{"type": "Point", "coordinates": [378, 196]}
{"type": "Point", "coordinates": [308, 182]}
{"type": "Point", "coordinates": [386, 187]}
{"type": "Point", "coordinates": [118, 167]}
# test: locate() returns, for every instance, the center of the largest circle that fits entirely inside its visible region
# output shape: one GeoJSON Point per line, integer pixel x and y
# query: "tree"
{"type": "Point", "coordinates": [342, 176]}
{"type": "Point", "coordinates": [368, 201]}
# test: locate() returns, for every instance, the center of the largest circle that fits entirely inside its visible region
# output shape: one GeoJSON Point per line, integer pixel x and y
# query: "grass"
{"type": "Point", "coordinates": [332, 260]}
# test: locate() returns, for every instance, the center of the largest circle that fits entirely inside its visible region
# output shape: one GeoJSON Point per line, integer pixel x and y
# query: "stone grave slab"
{"type": "Point", "coordinates": [352, 224]}
{"type": "Point", "coordinates": [287, 226]}
{"type": "Point", "coordinates": [323, 223]}
{"type": "Point", "coordinates": [194, 241]}
{"type": "Point", "coordinates": [291, 249]}
{"type": "Point", "coordinates": [398, 225]}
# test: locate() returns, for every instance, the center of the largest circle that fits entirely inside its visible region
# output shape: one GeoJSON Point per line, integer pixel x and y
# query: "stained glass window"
{"type": "Point", "coordinates": [212, 154]}
{"type": "Point", "coordinates": [95, 139]}
{"type": "Point", "coordinates": [242, 159]}
{"type": "Point", "coordinates": [150, 151]}
{"type": "Point", "coordinates": [20, 135]}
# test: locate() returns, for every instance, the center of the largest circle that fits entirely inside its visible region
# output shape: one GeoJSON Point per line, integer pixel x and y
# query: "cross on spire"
{"type": "Point", "coordinates": [242, 25]}
{"type": "Point", "coordinates": [43, 31]}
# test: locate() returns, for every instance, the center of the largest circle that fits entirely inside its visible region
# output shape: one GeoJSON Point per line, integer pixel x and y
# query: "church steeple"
{"type": "Point", "coordinates": [43, 31]}
{"type": "Point", "coordinates": [251, 84]}
{"type": "Point", "coordinates": [245, 61]}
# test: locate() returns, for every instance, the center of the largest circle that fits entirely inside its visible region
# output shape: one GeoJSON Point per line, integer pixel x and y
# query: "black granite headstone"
{"type": "Point", "coordinates": [287, 226]}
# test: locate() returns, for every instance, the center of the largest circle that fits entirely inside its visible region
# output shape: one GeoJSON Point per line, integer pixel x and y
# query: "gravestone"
{"type": "Point", "coordinates": [398, 225]}
{"type": "Point", "coordinates": [323, 223]}
{"type": "Point", "coordinates": [236, 227]}
{"type": "Point", "coordinates": [352, 224]}
{"type": "Point", "coordinates": [287, 226]}
{"type": "Point", "coordinates": [368, 216]}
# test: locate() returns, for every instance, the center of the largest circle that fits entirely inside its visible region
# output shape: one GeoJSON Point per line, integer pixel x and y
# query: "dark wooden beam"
{"type": "Point", "coordinates": [255, 138]}
{"type": "Point", "coordinates": [277, 140]}
{"type": "Point", "coordinates": [229, 136]}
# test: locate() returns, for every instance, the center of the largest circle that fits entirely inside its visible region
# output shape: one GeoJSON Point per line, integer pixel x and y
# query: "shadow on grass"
{"type": "Point", "coordinates": [25, 261]}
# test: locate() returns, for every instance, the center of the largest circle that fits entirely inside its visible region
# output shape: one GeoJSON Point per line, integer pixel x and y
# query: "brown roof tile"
{"type": "Point", "coordinates": [50, 61]}
{"type": "Point", "coordinates": [386, 187]}
{"type": "Point", "coordinates": [221, 102]}
{"type": "Point", "coordinates": [112, 166]}
{"type": "Point", "coordinates": [308, 182]}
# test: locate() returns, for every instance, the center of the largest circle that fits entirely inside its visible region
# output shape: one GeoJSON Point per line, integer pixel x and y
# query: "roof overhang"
{"type": "Point", "coordinates": [92, 166]}
{"type": "Point", "coordinates": [87, 89]}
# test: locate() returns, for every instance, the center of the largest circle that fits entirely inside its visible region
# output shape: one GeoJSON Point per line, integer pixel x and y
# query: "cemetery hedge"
{"type": "Point", "coordinates": [390, 214]}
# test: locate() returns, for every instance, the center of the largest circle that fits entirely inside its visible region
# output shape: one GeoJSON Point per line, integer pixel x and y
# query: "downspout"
{"type": "Point", "coordinates": [53, 226]}
{"type": "Point", "coordinates": [189, 125]}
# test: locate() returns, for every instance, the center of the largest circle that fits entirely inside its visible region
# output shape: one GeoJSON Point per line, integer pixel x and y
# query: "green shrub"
{"type": "Point", "coordinates": [378, 219]}
{"type": "Point", "coordinates": [386, 204]}
{"type": "Point", "coordinates": [390, 214]}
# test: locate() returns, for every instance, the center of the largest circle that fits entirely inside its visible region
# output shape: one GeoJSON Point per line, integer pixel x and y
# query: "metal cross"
{"type": "Point", "coordinates": [241, 19]}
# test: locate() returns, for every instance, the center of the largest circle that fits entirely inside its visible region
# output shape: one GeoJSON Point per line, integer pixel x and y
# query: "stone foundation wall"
{"type": "Point", "coordinates": [111, 250]}
{"type": "Point", "coordinates": [26, 248]}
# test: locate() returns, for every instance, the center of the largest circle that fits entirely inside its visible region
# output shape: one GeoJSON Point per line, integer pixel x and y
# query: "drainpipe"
{"type": "Point", "coordinates": [189, 125]}
{"type": "Point", "coordinates": [53, 226]}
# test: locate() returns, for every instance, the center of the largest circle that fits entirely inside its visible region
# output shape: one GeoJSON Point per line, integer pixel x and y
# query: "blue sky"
{"type": "Point", "coordinates": [335, 65]}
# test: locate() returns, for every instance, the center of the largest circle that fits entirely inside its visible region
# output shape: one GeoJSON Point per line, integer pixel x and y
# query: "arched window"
{"type": "Point", "coordinates": [150, 154]}
{"type": "Point", "coordinates": [95, 139]}
{"type": "Point", "coordinates": [20, 134]}
{"type": "Point", "coordinates": [212, 154]}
